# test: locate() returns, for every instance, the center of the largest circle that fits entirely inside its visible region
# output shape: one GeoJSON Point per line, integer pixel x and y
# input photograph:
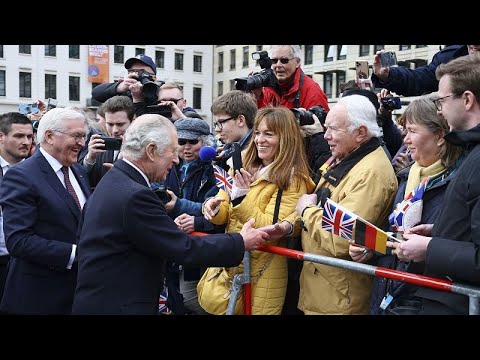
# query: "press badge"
{"type": "Point", "coordinates": [386, 301]}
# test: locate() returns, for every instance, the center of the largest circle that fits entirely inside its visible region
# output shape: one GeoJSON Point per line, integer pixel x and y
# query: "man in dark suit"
{"type": "Point", "coordinates": [126, 234]}
{"type": "Point", "coordinates": [41, 199]}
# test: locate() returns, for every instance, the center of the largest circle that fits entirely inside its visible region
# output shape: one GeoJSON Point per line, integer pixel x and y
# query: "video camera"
{"type": "Point", "coordinates": [266, 77]}
{"type": "Point", "coordinates": [391, 103]}
{"type": "Point", "coordinates": [150, 88]}
{"type": "Point", "coordinates": [304, 117]}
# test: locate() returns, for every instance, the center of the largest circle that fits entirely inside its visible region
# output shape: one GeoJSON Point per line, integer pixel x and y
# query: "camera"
{"type": "Point", "coordinates": [162, 194]}
{"type": "Point", "coordinates": [112, 143]}
{"type": "Point", "coordinates": [150, 88]}
{"type": "Point", "coordinates": [163, 110]}
{"type": "Point", "coordinates": [391, 103]}
{"type": "Point", "coordinates": [388, 58]}
{"type": "Point", "coordinates": [266, 77]}
{"type": "Point", "coordinates": [304, 117]}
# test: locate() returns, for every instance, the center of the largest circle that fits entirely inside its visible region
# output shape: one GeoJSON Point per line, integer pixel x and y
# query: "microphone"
{"type": "Point", "coordinates": [207, 153]}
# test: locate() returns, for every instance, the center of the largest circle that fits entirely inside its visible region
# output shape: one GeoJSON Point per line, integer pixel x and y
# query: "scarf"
{"type": "Point", "coordinates": [419, 173]}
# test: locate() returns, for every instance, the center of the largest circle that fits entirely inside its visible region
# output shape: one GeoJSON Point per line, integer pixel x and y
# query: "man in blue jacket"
{"type": "Point", "coordinates": [415, 82]}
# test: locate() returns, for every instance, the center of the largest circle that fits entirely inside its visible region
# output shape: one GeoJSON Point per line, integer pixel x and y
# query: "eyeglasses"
{"type": "Point", "coordinates": [174, 100]}
{"type": "Point", "coordinates": [282, 60]}
{"type": "Point", "coordinates": [438, 102]}
{"type": "Point", "coordinates": [219, 123]}
{"type": "Point", "coordinates": [185, 141]}
{"type": "Point", "coordinates": [77, 137]}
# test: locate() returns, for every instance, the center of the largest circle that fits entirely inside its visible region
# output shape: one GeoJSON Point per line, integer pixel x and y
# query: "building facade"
{"type": "Point", "coordinates": [328, 65]}
{"type": "Point", "coordinates": [31, 72]}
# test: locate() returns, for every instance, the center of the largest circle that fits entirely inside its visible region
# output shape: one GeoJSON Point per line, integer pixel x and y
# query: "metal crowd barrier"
{"type": "Point", "coordinates": [472, 292]}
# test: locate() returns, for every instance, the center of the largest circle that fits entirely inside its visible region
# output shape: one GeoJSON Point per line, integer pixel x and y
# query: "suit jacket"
{"type": "Point", "coordinates": [125, 238]}
{"type": "Point", "coordinates": [40, 224]}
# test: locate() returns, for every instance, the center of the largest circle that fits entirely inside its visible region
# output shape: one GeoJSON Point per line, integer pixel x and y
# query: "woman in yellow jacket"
{"type": "Point", "coordinates": [275, 159]}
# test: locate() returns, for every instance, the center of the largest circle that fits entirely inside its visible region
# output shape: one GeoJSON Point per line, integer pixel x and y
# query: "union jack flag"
{"type": "Point", "coordinates": [408, 213]}
{"type": "Point", "coordinates": [162, 303]}
{"type": "Point", "coordinates": [338, 220]}
{"type": "Point", "coordinates": [223, 179]}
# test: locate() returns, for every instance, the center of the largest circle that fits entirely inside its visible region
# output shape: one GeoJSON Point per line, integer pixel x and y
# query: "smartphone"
{"type": "Point", "coordinates": [361, 68]}
{"type": "Point", "coordinates": [111, 143]}
{"type": "Point", "coordinates": [51, 104]}
{"type": "Point", "coordinates": [236, 156]}
{"type": "Point", "coordinates": [163, 110]}
{"type": "Point", "coordinates": [388, 58]}
{"type": "Point", "coordinates": [26, 109]}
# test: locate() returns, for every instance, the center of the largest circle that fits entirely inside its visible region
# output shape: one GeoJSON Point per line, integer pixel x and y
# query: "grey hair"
{"type": "Point", "coordinates": [361, 112]}
{"type": "Point", "coordinates": [295, 50]}
{"type": "Point", "coordinates": [151, 128]}
{"type": "Point", "coordinates": [55, 119]}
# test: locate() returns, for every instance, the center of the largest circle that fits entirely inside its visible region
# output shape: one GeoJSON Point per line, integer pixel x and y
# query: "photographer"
{"type": "Point", "coordinates": [292, 88]}
{"type": "Point", "coordinates": [141, 78]}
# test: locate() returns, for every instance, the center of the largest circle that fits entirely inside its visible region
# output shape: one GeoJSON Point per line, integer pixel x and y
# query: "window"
{"type": "Point", "coordinates": [308, 54]}
{"type": "Point", "coordinates": [232, 84]}
{"type": "Point", "coordinates": [364, 50]}
{"type": "Point", "coordinates": [377, 48]}
{"type": "Point", "coordinates": [233, 60]}
{"type": "Point", "coordinates": [220, 88]}
{"type": "Point", "coordinates": [25, 84]}
{"type": "Point", "coordinates": [330, 52]}
{"type": "Point", "coordinates": [50, 86]}
{"type": "Point", "coordinates": [74, 51]}
{"type": "Point", "coordinates": [139, 51]}
{"type": "Point", "coordinates": [1, 51]}
{"type": "Point", "coordinates": [340, 81]}
{"type": "Point", "coordinates": [25, 49]}
{"type": "Point", "coordinates": [245, 53]}
{"type": "Point", "coordinates": [178, 61]}
{"type": "Point", "coordinates": [342, 52]}
{"type": "Point", "coordinates": [160, 59]}
{"type": "Point", "coordinates": [3, 84]}
{"type": "Point", "coordinates": [74, 88]}
{"type": "Point", "coordinates": [405, 47]}
{"type": "Point", "coordinates": [197, 63]}
{"type": "Point", "coordinates": [220, 62]}
{"type": "Point", "coordinates": [327, 84]}
{"type": "Point", "coordinates": [197, 98]}
{"type": "Point", "coordinates": [118, 54]}
{"type": "Point", "coordinates": [50, 50]}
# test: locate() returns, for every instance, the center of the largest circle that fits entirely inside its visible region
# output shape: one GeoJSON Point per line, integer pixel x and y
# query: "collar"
{"type": "Point", "coordinates": [138, 169]}
{"type": "Point", "coordinates": [336, 173]}
{"type": "Point", "coordinates": [54, 163]}
{"type": "Point", "coordinates": [466, 138]}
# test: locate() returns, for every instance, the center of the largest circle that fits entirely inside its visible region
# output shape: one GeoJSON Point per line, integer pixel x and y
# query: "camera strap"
{"type": "Point", "coordinates": [297, 94]}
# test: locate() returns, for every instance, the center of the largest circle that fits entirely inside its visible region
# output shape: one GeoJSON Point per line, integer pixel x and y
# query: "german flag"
{"type": "Point", "coordinates": [370, 236]}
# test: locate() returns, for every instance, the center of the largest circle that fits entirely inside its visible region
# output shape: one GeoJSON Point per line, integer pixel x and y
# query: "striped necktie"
{"type": "Point", "coordinates": [69, 186]}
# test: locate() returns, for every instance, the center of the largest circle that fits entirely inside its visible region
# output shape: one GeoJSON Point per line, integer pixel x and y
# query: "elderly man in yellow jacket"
{"type": "Point", "coordinates": [361, 179]}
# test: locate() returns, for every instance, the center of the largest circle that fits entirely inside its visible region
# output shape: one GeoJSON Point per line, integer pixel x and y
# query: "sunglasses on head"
{"type": "Point", "coordinates": [185, 141]}
{"type": "Point", "coordinates": [282, 60]}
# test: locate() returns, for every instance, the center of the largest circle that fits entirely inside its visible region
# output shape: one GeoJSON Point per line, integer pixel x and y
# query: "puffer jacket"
{"type": "Point", "coordinates": [268, 271]}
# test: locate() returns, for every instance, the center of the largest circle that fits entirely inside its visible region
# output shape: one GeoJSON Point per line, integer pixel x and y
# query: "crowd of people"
{"type": "Point", "coordinates": [100, 213]}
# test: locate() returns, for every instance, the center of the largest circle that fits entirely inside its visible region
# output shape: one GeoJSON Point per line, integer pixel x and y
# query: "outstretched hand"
{"type": "Point", "coordinates": [252, 238]}
{"type": "Point", "coordinates": [278, 230]}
